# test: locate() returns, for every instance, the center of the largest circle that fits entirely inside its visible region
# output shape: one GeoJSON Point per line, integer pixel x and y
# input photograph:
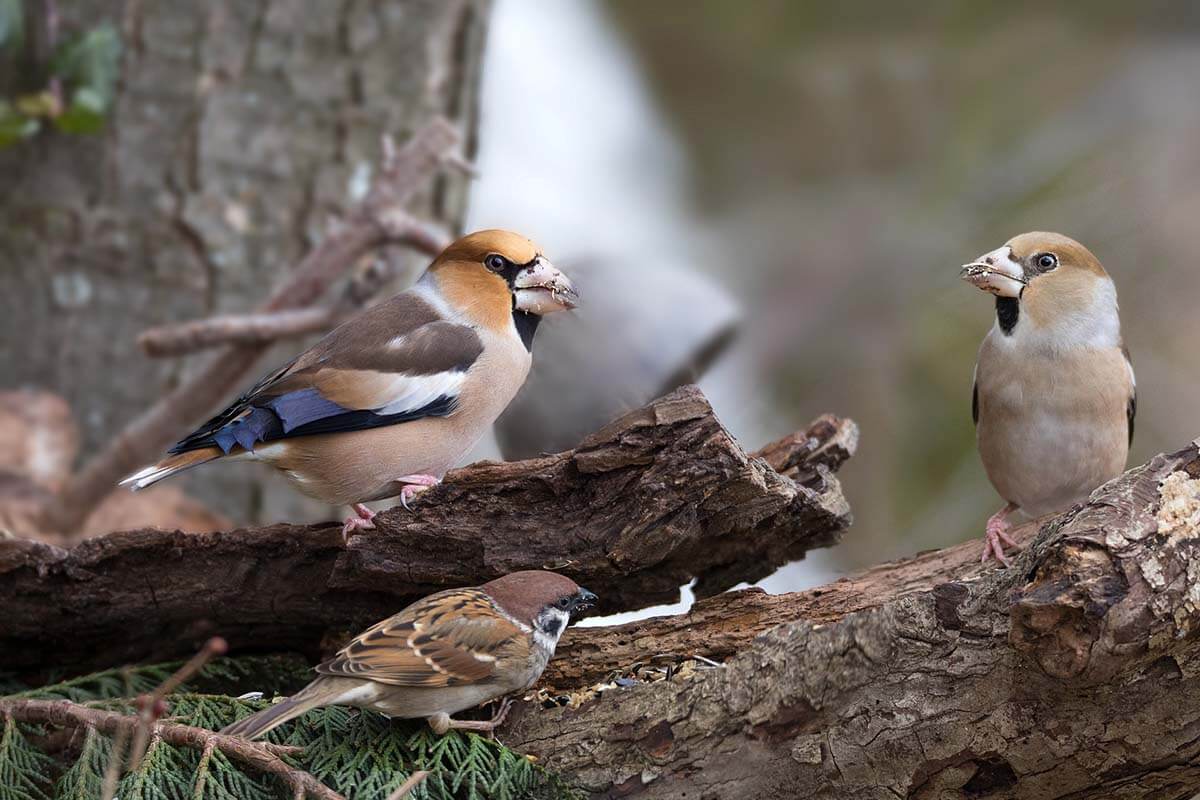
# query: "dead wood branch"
{"type": "Point", "coordinates": [201, 334]}
{"type": "Point", "coordinates": [380, 218]}
{"type": "Point", "coordinates": [270, 326]}
{"type": "Point", "coordinates": [656, 499]}
{"type": "Point", "coordinates": [1076, 673]}
{"type": "Point", "coordinates": [261, 756]}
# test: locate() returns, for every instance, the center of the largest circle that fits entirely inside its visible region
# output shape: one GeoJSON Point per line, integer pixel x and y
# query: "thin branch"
{"type": "Point", "coordinates": [151, 707]}
{"type": "Point", "coordinates": [243, 329]}
{"type": "Point", "coordinates": [261, 756]}
{"type": "Point", "coordinates": [379, 219]}
{"type": "Point", "coordinates": [263, 328]}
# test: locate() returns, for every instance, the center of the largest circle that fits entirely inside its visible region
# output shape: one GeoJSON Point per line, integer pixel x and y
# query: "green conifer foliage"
{"type": "Point", "coordinates": [361, 755]}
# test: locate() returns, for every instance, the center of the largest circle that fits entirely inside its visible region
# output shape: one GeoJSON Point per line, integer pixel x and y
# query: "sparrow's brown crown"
{"type": "Point", "coordinates": [523, 595]}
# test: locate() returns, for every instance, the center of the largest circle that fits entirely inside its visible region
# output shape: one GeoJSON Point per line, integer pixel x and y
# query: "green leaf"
{"type": "Point", "coordinates": [15, 126]}
{"type": "Point", "coordinates": [84, 114]}
{"type": "Point", "coordinates": [360, 754]}
{"type": "Point", "coordinates": [22, 766]}
{"type": "Point", "coordinates": [85, 778]}
{"type": "Point", "coordinates": [90, 61]}
{"type": "Point", "coordinates": [12, 24]}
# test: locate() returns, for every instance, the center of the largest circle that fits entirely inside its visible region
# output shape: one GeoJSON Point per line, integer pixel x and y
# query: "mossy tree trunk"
{"type": "Point", "coordinates": [239, 132]}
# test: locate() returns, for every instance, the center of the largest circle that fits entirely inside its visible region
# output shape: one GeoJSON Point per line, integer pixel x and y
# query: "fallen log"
{"type": "Point", "coordinates": [1073, 674]}
{"type": "Point", "coordinates": [656, 499]}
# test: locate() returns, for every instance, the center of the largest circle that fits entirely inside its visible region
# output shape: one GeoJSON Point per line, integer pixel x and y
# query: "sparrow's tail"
{"type": "Point", "coordinates": [169, 466]}
{"type": "Point", "coordinates": [320, 692]}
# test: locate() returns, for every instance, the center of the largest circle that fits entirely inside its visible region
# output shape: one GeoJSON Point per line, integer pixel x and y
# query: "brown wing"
{"type": "Point", "coordinates": [447, 639]}
{"type": "Point", "coordinates": [393, 363]}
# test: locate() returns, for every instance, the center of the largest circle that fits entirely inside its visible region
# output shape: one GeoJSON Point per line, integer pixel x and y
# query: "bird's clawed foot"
{"type": "Point", "coordinates": [997, 536]}
{"type": "Point", "coordinates": [414, 485]}
{"type": "Point", "coordinates": [441, 723]}
{"type": "Point", "coordinates": [363, 520]}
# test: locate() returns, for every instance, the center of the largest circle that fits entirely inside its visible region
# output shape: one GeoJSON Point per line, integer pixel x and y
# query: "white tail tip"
{"type": "Point", "coordinates": [145, 477]}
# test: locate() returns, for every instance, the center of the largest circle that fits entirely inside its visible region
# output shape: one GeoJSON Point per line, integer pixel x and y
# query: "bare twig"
{"type": "Point", "coordinates": [413, 782]}
{"type": "Point", "coordinates": [243, 329]}
{"type": "Point", "coordinates": [262, 756]}
{"type": "Point", "coordinates": [264, 328]}
{"type": "Point", "coordinates": [151, 707]}
{"type": "Point", "coordinates": [53, 20]}
{"type": "Point", "coordinates": [379, 219]}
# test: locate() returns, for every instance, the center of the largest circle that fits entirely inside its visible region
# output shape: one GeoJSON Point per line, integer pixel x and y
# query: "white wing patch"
{"type": "Point", "coordinates": [411, 392]}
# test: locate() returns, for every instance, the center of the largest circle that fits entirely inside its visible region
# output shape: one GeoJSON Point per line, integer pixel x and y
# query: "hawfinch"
{"type": "Point", "coordinates": [1055, 395]}
{"type": "Point", "coordinates": [448, 652]}
{"type": "Point", "coordinates": [390, 400]}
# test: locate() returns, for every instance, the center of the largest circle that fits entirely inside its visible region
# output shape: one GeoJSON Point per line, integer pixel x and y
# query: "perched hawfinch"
{"type": "Point", "coordinates": [390, 400]}
{"type": "Point", "coordinates": [448, 652]}
{"type": "Point", "coordinates": [1055, 395]}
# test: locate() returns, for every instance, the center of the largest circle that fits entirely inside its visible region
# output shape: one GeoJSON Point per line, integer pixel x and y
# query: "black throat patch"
{"type": "Point", "coordinates": [551, 626]}
{"type": "Point", "coordinates": [526, 326]}
{"type": "Point", "coordinates": [1008, 310]}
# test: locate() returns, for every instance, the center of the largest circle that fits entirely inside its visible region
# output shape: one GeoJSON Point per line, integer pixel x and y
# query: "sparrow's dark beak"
{"type": "Point", "coordinates": [584, 600]}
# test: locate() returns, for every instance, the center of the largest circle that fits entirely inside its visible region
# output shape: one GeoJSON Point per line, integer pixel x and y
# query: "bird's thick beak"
{"type": "Point", "coordinates": [541, 289]}
{"type": "Point", "coordinates": [584, 600]}
{"type": "Point", "coordinates": [996, 272]}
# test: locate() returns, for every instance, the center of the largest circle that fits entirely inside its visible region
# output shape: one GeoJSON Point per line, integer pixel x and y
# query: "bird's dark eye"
{"type": "Point", "coordinates": [495, 263]}
{"type": "Point", "coordinates": [1047, 261]}
{"type": "Point", "coordinates": [564, 603]}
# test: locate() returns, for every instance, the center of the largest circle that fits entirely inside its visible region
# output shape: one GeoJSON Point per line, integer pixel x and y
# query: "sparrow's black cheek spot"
{"type": "Point", "coordinates": [1008, 310]}
{"type": "Point", "coordinates": [551, 626]}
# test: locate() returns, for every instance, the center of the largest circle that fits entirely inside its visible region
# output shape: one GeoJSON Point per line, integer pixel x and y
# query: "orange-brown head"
{"type": "Point", "coordinates": [493, 275]}
{"type": "Point", "coordinates": [1050, 280]}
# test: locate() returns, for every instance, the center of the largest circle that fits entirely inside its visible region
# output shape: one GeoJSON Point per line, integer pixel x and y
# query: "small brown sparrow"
{"type": "Point", "coordinates": [1055, 395]}
{"type": "Point", "coordinates": [450, 651]}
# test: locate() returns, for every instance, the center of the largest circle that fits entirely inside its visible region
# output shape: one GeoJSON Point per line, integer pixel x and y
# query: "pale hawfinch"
{"type": "Point", "coordinates": [445, 653]}
{"type": "Point", "coordinates": [390, 400]}
{"type": "Point", "coordinates": [1055, 396]}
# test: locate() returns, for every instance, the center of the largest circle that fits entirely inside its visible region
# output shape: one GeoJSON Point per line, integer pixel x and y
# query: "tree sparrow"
{"type": "Point", "coordinates": [445, 653]}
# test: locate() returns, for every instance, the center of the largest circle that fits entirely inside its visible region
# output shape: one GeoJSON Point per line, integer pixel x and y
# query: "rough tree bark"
{"type": "Point", "coordinates": [657, 498]}
{"type": "Point", "coordinates": [1074, 674]}
{"type": "Point", "coordinates": [240, 130]}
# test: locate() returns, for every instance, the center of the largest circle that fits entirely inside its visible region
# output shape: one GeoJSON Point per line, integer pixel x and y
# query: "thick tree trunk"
{"type": "Point", "coordinates": [1074, 674]}
{"type": "Point", "coordinates": [241, 130]}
